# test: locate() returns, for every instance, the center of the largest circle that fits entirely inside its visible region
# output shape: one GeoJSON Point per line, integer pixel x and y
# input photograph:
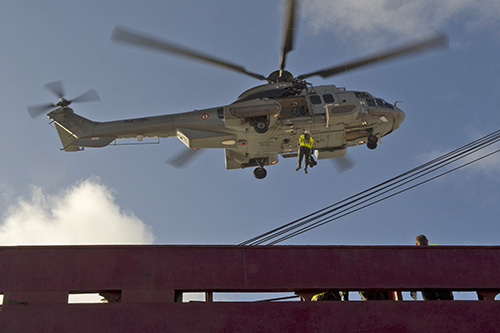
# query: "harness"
{"type": "Point", "coordinates": [303, 142]}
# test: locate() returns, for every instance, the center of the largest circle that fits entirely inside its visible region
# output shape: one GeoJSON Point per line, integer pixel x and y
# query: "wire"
{"type": "Point", "coordinates": [348, 206]}
{"type": "Point", "coordinates": [297, 223]}
{"type": "Point", "coordinates": [428, 171]}
{"type": "Point", "coordinates": [320, 223]}
{"type": "Point", "coordinates": [277, 299]}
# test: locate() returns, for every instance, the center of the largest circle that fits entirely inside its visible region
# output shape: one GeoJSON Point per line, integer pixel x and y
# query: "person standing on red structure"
{"type": "Point", "coordinates": [421, 240]}
{"type": "Point", "coordinates": [428, 295]}
{"type": "Point", "coordinates": [305, 147]}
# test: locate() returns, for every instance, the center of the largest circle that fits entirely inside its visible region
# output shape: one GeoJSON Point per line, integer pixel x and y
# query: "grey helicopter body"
{"type": "Point", "coordinates": [252, 130]}
{"type": "Point", "coordinates": [264, 121]}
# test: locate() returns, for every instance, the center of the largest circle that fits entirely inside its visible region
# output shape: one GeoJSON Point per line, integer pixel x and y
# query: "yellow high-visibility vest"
{"type": "Point", "coordinates": [304, 142]}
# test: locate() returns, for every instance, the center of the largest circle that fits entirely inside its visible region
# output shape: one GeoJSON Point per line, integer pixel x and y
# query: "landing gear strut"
{"type": "Point", "coordinates": [260, 173]}
{"type": "Point", "coordinates": [372, 142]}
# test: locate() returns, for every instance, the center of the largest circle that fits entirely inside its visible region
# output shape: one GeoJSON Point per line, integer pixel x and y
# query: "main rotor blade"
{"type": "Point", "coordinates": [343, 163]}
{"type": "Point", "coordinates": [437, 41]}
{"type": "Point", "coordinates": [37, 110]}
{"type": "Point", "coordinates": [89, 96]}
{"type": "Point", "coordinates": [127, 36]}
{"type": "Point", "coordinates": [56, 87]}
{"type": "Point", "coordinates": [182, 159]}
{"type": "Point", "coordinates": [289, 32]}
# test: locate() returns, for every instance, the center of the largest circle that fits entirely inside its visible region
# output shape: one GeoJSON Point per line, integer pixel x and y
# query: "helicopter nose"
{"type": "Point", "coordinates": [399, 117]}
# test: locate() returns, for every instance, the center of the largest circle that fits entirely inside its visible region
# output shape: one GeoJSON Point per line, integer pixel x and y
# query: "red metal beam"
{"type": "Point", "coordinates": [355, 316]}
{"type": "Point", "coordinates": [233, 268]}
{"type": "Point", "coordinates": [36, 281]}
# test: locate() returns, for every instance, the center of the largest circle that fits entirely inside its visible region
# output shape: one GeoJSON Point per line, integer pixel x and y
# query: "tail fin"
{"type": "Point", "coordinates": [76, 131]}
{"type": "Point", "coordinates": [67, 138]}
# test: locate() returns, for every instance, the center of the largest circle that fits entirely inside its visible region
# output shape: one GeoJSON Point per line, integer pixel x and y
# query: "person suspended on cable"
{"type": "Point", "coordinates": [305, 147]}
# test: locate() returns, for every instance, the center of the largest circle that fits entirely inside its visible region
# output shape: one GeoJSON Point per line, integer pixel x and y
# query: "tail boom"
{"type": "Point", "coordinates": [77, 132]}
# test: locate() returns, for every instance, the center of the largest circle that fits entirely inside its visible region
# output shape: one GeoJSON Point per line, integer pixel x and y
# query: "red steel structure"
{"type": "Point", "coordinates": [143, 286]}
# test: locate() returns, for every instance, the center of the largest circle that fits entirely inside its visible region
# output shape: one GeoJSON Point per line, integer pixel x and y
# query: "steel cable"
{"type": "Point", "coordinates": [341, 208]}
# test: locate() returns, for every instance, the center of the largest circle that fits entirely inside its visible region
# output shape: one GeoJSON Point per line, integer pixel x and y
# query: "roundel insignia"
{"type": "Point", "coordinates": [205, 116]}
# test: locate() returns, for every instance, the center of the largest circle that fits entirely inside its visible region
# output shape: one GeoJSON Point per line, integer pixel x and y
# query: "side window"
{"type": "Point", "coordinates": [220, 113]}
{"type": "Point", "coordinates": [315, 99]}
{"type": "Point", "coordinates": [328, 98]}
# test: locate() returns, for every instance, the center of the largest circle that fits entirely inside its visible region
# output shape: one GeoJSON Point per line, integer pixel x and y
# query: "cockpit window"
{"type": "Point", "coordinates": [315, 99]}
{"type": "Point", "coordinates": [384, 104]}
{"type": "Point", "coordinates": [362, 94]}
{"type": "Point", "coordinates": [328, 98]}
{"type": "Point", "coordinates": [370, 102]}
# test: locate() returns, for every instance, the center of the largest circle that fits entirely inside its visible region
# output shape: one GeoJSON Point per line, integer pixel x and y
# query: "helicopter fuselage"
{"type": "Point", "coordinates": [264, 122]}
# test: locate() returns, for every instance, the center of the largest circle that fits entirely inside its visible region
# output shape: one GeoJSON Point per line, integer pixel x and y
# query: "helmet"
{"type": "Point", "coordinates": [306, 132]}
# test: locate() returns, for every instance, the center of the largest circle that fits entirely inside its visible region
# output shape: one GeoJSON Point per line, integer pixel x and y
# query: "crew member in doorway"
{"type": "Point", "coordinates": [305, 148]}
{"type": "Point", "coordinates": [295, 110]}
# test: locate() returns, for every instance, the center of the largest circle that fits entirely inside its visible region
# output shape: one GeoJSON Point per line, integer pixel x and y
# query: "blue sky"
{"type": "Point", "coordinates": [450, 97]}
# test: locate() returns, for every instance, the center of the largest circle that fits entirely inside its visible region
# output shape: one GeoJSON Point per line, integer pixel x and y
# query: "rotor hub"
{"type": "Point", "coordinates": [280, 76]}
{"type": "Point", "coordinates": [63, 102]}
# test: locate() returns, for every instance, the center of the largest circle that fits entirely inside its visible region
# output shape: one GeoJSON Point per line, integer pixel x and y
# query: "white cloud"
{"type": "Point", "coordinates": [489, 165]}
{"type": "Point", "coordinates": [83, 214]}
{"type": "Point", "coordinates": [377, 20]}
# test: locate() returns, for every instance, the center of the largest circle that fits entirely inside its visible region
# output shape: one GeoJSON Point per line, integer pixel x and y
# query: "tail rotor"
{"type": "Point", "coordinates": [57, 88]}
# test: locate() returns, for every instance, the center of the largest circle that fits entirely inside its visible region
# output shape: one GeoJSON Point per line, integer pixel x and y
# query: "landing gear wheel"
{"type": "Point", "coordinates": [372, 142]}
{"type": "Point", "coordinates": [260, 173]}
{"type": "Point", "coordinates": [260, 127]}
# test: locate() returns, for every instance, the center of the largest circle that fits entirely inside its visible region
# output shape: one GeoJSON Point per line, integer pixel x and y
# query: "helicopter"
{"type": "Point", "coordinates": [263, 122]}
